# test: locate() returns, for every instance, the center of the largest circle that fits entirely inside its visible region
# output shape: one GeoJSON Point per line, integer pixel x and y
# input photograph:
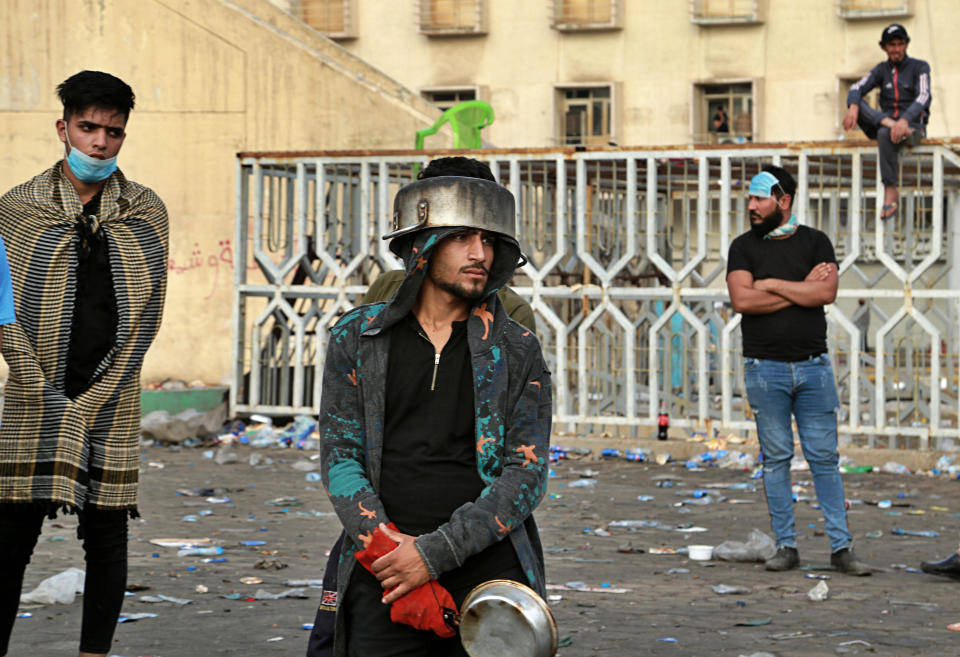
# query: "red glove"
{"type": "Point", "coordinates": [423, 607]}
{"type": "Point", "coordinates": [379, 545]}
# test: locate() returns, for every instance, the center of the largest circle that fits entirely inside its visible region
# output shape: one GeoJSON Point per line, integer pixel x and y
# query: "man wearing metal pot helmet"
{"type": "Point", "coordinates": [435, 423]}
{"type": "Point", "coordinates": [904, 84]}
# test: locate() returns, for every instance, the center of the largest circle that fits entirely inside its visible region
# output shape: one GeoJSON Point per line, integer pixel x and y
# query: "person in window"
{"type": "Point", "coordinates": [904, 84]}
{"type": "Point", "coordinates": [720, 121]}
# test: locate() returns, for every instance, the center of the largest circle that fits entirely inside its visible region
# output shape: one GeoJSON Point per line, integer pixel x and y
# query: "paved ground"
{"type": "Point", "coordinates": [667, 607]}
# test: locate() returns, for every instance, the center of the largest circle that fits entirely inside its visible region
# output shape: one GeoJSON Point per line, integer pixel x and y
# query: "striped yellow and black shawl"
{"type": "Point", "coordinates": [74, 453]}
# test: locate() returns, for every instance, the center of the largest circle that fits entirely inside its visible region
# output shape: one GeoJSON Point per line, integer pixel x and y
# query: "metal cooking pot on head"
{"type": "Point", "coordinates": [503, 618]}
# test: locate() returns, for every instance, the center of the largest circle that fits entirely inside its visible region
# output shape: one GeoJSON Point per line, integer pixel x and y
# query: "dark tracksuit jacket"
{"type": "Point", "coordinates": [904, 94]}
{"type": "Point", "coordinates": [904, 89]}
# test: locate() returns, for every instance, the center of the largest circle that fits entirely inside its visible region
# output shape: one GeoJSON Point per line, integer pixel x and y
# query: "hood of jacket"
{"type": "Point", "coordinates": [416, 253]}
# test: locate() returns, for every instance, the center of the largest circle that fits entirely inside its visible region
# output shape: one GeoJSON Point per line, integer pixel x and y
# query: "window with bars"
{"type": "Point", "coordinates": [334, 18]}
{"type": "Point", "coordinates": [573, 15]}
{"type": "Point", "coordinates": [447, 97]}
{"type": "Point", "coordinates": [452, 17]}
{"type": "Point", "coordinates": [854, 9]}
{"type": "Point", "coordinates": [586, 115]}
{"type": "Point", "coordinates": [708, 12]}
{"type": "Point", "coordinates": [730, 102]}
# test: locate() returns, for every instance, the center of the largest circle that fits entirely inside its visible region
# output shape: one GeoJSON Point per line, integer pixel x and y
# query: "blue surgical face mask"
{"type": "Point", "coordinates": [86, 168]}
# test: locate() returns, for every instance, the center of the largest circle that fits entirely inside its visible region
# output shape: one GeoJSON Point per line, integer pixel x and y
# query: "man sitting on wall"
{"type": "Point", "coordinates": [904, 84]}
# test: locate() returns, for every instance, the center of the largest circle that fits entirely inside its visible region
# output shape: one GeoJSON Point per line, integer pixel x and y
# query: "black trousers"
{"type": "Point", "coordinates": [371, 632]}
{"type": "Point", "coordinates": [104, 536]}
{"type": "Point", "coordinates": [869, 121]}
{"type": "Point", "coordinates": [320, 643]}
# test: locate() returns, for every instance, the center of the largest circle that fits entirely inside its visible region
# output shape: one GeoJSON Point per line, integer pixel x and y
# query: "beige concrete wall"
{"type": "Point", "coordinates": [797, 54]}
{"type": "Point", "coordinates": [212, 78]}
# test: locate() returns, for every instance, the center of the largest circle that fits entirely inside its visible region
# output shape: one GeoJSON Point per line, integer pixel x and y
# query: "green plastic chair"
{"type": "Point", "coordinates": [467, 120]}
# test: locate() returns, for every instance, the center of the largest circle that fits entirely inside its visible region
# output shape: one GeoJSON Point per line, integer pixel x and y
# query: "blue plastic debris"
{"type": "Point", "coordinates": [910, 532]}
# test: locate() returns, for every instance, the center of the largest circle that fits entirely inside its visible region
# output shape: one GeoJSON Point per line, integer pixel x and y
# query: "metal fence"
{"type": "Point", "coordinates": [626, 274]}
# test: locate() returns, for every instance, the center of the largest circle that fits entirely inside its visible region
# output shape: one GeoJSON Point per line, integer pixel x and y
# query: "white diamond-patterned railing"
{"type": "Point", "coordinates": [626, 276]}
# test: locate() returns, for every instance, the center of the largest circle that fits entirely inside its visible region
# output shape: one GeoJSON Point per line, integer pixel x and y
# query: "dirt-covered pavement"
{"type": "Point", "coordinates": [636, 603]}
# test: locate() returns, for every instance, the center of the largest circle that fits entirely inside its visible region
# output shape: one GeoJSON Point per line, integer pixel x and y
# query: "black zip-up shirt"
{"type": "Point", "coordinates": [430, 449]}
{"type": "Point", "coordinates": [95, 306]}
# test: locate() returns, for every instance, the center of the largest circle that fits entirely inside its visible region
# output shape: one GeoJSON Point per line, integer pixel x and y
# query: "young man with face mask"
{"type": "Point", "coordinates": [435, 425]}
{"type": "Point", "coordinates": [780, 275]}
{"type": "Point", "coordinates": [88, 261]}
{"type": "Point", "coordinates": [904, 84]}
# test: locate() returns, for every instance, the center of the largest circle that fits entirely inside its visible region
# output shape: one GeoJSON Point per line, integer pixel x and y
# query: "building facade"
{"type": "Point", "coordinates": [644, 72]}
{"type": "Point", "coordinates": [212, 78]}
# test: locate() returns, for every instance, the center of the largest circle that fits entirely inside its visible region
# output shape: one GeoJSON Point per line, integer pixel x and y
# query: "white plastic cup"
{"type": "Point", "coordinates": [700, 552]}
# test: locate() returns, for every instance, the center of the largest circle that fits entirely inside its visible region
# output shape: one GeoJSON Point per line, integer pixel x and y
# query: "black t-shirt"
{"type": "Point", "coordinates": [429, 448]}
{"type": "Point", "coordinates": [793, 333]}
{"type": "Point", "coordinates": [95, 307]}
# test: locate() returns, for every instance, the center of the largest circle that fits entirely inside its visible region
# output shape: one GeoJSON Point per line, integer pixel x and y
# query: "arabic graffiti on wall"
{"type": "Point", "coordinates": [221, 258]}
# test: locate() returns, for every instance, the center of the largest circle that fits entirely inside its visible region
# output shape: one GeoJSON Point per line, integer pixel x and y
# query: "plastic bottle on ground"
{"type": "Point", "coordinates": [663, 422]}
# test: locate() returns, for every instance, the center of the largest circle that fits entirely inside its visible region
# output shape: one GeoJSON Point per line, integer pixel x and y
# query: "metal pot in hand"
{"type": "Point", "coordinates": [503, 618]}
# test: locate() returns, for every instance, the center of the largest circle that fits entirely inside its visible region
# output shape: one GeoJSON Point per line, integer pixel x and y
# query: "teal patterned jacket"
{"type": "Point", "coordinates": [512, 394]}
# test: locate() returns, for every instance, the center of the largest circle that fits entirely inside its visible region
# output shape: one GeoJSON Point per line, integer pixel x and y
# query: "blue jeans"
{"type": "Point", "coordinates": [806, 390]}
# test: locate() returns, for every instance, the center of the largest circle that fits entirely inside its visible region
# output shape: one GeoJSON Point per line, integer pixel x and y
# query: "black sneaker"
{"type": "Point", "coordinates": [949, 567]}
{"type": "Point", "coordinates": [846, 562]}
{"type": "Point", "coordinates": [786, 558]}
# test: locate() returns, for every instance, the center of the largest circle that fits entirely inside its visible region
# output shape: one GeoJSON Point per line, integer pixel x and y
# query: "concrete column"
{"type": "Point", "coordinates": [953, 263]}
